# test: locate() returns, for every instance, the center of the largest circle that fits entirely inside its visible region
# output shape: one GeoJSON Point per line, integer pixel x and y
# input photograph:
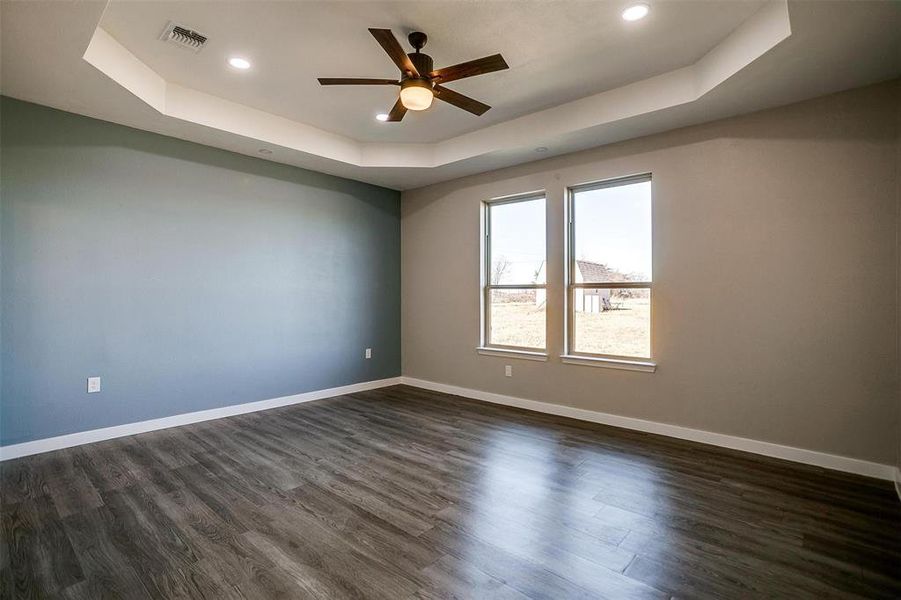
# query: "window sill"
{"type": "Point", "coordinates": [610, 363]}
{"type": "Point", "coordinates": [507, 353]}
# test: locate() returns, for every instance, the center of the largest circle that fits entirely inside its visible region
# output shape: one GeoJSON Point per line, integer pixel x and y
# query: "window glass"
{"type": "Point", "coordinates": [615, 322]}
{"type": "Point", "coordinates": [610, 244]}
{"type": "Point", "coordinates": [517, 318]}
{"type": "Point", "coordinates": [517, 240]}
{"type": "Point", "coordinates": [514, 288]}
{"type": "Point", "coordinates": [612, 229]}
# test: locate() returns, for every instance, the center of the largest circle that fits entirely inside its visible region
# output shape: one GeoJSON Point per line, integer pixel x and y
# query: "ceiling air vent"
{"type": "Point", "coordinates": [183, 37]}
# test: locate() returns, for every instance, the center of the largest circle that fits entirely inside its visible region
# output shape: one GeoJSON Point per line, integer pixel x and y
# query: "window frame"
{"type": "Point", "coordinates": [485, 345]}
{"type": "Point", "coordinates": [570, 286]}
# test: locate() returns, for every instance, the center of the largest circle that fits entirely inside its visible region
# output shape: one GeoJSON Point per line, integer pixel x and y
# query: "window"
{"type": "Point", "coordinates": [609, 269]}
{"type": "Point", "coordinates": [514, 275]}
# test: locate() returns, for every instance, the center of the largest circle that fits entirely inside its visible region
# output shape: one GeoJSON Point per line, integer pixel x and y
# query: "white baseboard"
{"type": "Point", "coordinates": [898, 482]}
{"type": "Point", "coordinates": [108, 433]}
{"type": "Point", "coordinates": [800, 455]}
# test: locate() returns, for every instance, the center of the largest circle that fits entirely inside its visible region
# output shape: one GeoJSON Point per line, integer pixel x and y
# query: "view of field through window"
{"type": "Point", "coordinates": [517, 253]}
{"type": "Point", "coordinates": [622, 330]}
{"type": "Point", "coordinates": [517, 319]}
{"type": "Point", "coordinates": [611, 244]}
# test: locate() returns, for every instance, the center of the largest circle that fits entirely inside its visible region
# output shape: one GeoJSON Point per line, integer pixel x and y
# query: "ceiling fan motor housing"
{"type": "Point", "coordinates": [422, 62]}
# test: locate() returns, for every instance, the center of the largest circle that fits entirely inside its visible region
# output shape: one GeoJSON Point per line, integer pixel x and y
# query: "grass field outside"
{"type": "Point", "coordinates": [621, 332]}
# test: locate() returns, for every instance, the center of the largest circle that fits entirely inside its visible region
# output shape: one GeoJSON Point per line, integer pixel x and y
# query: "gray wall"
{"type": "Point", "coordinates": [186, 277]}
{"type": "Point", "coordinates": [775, 269]}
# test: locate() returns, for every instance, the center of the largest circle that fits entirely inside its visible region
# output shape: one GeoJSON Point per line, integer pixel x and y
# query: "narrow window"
{"type": "Point", "coordinates": [609, 269]}
{"type": "Point", "coordinates": [514, 274]}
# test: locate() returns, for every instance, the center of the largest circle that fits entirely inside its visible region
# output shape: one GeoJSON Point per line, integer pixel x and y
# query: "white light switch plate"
{"type": "Point", "coordinates": [368, 352]}
{"type": "Point", "coordinates": [508, 370]}
{"type": "Point", "coordinates": [93, 385]}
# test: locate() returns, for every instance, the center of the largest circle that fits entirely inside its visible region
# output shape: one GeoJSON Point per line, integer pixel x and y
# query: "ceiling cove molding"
{"type": "Point", "coordinates": [755, 37]}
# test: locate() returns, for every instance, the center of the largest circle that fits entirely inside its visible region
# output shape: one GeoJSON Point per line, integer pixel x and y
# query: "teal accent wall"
{"type": "Point", "coordinates": [188, 278]}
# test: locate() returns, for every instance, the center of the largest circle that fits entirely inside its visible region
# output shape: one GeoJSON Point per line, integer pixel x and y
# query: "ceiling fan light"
{"type": "Point", "coordinates": [416, 94]}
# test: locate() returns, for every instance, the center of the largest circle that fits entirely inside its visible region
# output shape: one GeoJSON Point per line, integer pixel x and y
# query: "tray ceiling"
{"type": "Point", "coordinates": [557, 53]}
{"type": "Point", "coordinates": [580, 76]}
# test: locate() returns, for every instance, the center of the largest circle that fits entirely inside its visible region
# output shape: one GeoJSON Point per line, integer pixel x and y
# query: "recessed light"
{"type": "Point", "coordinates": [239, 63]}
{"type": "Point", "coordinates": [264, 151]}
{"type": "Point", "coordinates": [541, 149]}
{"type": "Point", "coordinates": [636, 12]}
{"type": "Point", "coordinates": [382, 117]}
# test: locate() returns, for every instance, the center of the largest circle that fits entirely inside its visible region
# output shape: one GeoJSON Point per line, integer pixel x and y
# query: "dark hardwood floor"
{"type": "Point", "coordinates": [403, 493]}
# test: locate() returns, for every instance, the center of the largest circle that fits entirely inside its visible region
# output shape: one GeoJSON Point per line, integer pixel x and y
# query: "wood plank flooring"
{"type": "Point", "coordinates": [402, 493]}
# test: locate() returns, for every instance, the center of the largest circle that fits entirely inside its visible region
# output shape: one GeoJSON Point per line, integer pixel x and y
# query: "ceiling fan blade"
{"type": "Point", "coordinates": [356, 81]}
{"type": "Point", "coordinates": [460, 101]}
{"type": "Point", "coordinates": [394, 50]}
{"type": "Point", "coordinates": [397, 111]}
{"type": "Point", "coordinates": [479, 66]}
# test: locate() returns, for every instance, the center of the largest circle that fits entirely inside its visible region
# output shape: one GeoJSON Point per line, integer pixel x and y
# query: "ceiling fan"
{"type": "Point", "coordinates": [419, 82]}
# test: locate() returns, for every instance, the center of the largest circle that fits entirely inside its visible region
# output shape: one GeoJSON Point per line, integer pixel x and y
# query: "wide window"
{"type": "Point", "coordinates": [514, 274]}
{"type": "Point", "coordinates": [609, 269]}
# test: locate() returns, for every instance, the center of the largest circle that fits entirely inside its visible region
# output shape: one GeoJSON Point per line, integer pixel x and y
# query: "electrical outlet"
{"type": "Point", "coordinates": [93, 385]}
{"type": "Point", "coordinates": [508, 370]}
{"type": "Point", "coordinates": [368, 352]}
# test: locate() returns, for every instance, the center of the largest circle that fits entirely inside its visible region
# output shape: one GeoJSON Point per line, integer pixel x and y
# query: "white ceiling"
{"type": "Point", "coordinates": [557, 53]}
{"type": "Point", "coordinates": [579, 77]}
